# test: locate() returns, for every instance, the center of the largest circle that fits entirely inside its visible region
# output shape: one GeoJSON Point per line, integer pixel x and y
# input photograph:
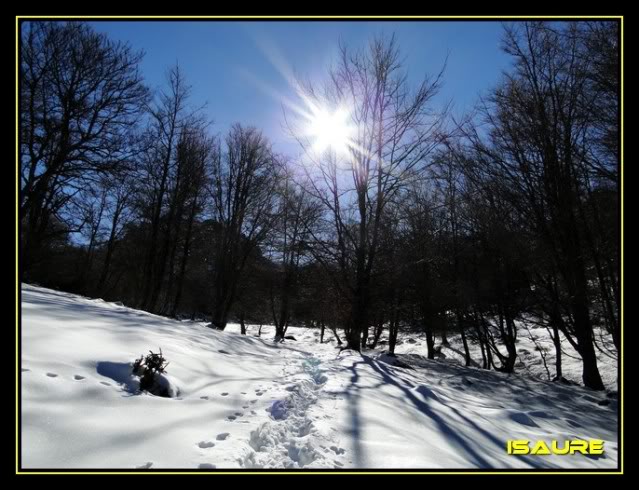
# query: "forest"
{"type": "Point", "coordinates": [398, 217]}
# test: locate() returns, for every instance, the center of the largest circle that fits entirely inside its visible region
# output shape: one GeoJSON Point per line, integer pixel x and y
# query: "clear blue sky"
{"type": "Point", "coordinates": [236, 67]}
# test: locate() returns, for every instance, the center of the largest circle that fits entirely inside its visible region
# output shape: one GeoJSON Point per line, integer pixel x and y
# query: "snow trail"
{"type": "Point", "coordinates": [290, 439]}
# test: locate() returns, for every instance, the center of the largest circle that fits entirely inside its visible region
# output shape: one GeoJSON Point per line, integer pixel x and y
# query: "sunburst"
{"type": "Point", "coordinates": [330, 129]}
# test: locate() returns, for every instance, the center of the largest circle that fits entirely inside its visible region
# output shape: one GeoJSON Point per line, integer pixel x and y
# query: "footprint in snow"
{"type": "Point", "coordinates": [145, 466]}
{"type": "Point", "coordinates": [222, 351]}
{"type": "Point", "coordinates": [205, 444]}
{"type": "Point", "coordinates": [52, 375]}
{"type": "Point", "coordinates": [338, 450]}
{"type": "Point", "coordinates": [24, 370]}
{"type": "Point", "coordinates": [222, 436]}
{"type": "Point", "coordinates": [238, 414]}
{"type": "Point", "coordinates": [77, 377]}
{"type": "Point", "coordinates": [231, 417]}
{"type": "Point", "coordinates": [204, 398]}
{"type": "Point", "coordinates": [105, 383]}
{"type": "Point", "coordinates": [224, 394]}
{"type": "Point", "coordinates": [253, 401]}
{"type": "Point", "coordinates": [207, 466]}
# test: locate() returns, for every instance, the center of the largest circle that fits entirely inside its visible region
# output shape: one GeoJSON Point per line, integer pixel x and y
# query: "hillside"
{"type": "Point", "coordinates": [247, 402]}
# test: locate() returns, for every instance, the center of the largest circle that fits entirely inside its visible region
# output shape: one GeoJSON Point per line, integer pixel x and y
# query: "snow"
{"type": "Point", "coordinates": [529, 359]}
{"type": "Point", "coordinates": [248, 402]}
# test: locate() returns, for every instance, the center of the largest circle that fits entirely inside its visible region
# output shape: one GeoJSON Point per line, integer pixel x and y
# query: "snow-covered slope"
{"type": "Point", "coordinates": [246, 402]}
{"type": "Point", "coordinates": [530, 362]}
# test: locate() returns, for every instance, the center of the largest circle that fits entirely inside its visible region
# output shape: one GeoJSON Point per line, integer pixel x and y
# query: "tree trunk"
{"type": "Point", "coordinates": [577, 287]}
{"type": "Point", "coordinates": [334, 330]}
{"type": "Point", "coordinates": [109, 253]}
{"type": "Point", "coordinates": [462, 330]}
{"type": "Point", "coordinates": [430, 344]}
{"type": "Point", "coordinates": [392, 336]}
{"type": "Point", "coordinates": [358, 320]}
{"type": "Point", "coordinates": [465, 344]}
{"type": "Point", "coordinates": [224, 297]}
{"type": "Point", "coordinates": [556, 340]}
{"type": "Point", "coordinates": [365, 337]}
{"type": "Point", "coordinates": [508, 336]}
{"type": "Point", "coordinates": [583, 332]}
{"type": "Point", "coordinates": [185, 256]}
{"type": "Point", "coordinates": [378, 333]}
{"type": "Point", "coordinates": [242, 324]}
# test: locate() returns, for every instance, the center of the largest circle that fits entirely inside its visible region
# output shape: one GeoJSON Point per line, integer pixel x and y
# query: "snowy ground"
{"type": "Point", "coordinates": [529, 362]}
{"type": "Point", "coordinates": [246, 402]}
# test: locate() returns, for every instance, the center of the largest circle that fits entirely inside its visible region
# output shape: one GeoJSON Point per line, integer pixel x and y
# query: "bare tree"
{"type": "Point", "coordinates": [536, 145]}
{"type": "Point", "coordinates": [243, 180]}
{"type": "Point", "coordinates": [288, 243]}
{"type": "Point", "coordinates": [194, 159]}
{"type": "Point", "coordinates": [393, 131]}
{"type": "Point", "coordinates": [80, 97]}
{"type": "Point", "coordinates": [170, 118]}
{"type": "Point", "coordinates": [118, 212]}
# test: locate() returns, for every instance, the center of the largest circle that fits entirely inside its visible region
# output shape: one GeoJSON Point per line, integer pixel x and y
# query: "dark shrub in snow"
{"type": "Point", "coordinates": [151, 369]}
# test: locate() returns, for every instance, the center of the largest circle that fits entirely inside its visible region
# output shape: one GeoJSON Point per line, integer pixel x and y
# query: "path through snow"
{"type": "Point", "coordinates": [292, 438]}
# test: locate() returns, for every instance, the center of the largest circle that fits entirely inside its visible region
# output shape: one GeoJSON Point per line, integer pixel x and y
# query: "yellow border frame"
{"type": "Point", "coordinates": [315, 17]}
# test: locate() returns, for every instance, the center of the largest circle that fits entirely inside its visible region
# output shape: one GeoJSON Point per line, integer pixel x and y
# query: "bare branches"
{"type": "Point", "coordinates": [395, 129]}
{"type": "Point", "coordinates": [81, 96]}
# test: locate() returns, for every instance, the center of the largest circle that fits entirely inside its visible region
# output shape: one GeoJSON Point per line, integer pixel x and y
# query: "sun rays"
{"type": "Point", "coordinates": [330, 129]}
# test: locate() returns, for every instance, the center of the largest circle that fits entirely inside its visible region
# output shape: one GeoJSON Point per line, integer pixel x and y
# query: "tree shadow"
{"type": "Point", "coordinates": [470, 447]}
{"type": "Point", "coordinates": [355, 431]}
{"type": "Point", "coordinates": [456, 438]}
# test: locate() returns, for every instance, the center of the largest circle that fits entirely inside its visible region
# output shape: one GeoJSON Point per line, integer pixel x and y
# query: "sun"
{"type": "Point", "coordinates": [330, 130]}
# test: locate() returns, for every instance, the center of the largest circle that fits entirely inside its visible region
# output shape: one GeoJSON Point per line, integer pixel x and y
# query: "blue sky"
{"type": "Point", "coordinates": [236, 67]}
